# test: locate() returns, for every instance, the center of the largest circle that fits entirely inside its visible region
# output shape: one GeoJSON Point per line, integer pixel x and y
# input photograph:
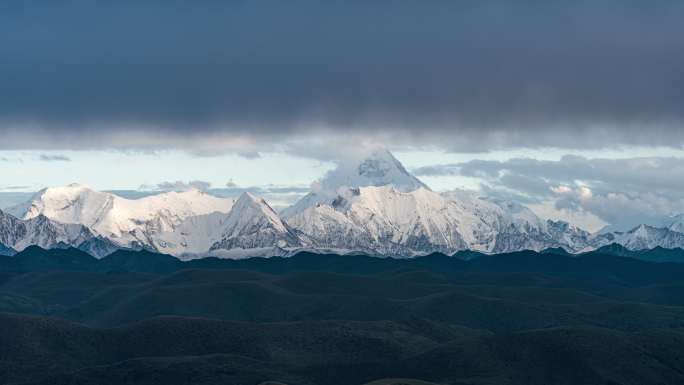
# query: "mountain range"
{"type": "Point", "coordinates": [371, 205]}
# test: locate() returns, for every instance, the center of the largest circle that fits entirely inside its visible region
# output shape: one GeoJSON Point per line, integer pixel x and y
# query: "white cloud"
{"type": "Point", "coordinates": [178, 186]}
{"type": "Point", "coordinates": [620, 192]}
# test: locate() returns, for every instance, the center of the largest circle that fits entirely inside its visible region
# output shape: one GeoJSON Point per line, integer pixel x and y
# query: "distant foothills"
{"type": "Point", "coordinates": [373, 206]}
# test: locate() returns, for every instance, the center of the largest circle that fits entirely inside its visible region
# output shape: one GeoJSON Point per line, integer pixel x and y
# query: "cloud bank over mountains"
{"type": "Point", "coordinates": [279, 196]}
{"type": "Point", "coordinates": [468, 75]}
{"type": "Point", "coordinates": [622, 192]}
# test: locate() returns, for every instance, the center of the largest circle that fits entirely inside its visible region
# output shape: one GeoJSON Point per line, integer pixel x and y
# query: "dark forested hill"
{"type": "Point", "coordinates": [518, 318]}
{"type": "Point", "coordinates": [172, 350]}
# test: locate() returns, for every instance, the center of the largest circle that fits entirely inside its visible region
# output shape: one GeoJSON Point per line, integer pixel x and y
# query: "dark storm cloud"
{"type": "Point", "coordinates": [460, 74]}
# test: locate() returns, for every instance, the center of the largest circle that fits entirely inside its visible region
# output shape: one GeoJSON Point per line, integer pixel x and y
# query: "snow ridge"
{"type": "Point", "coordinates": [131, 223]}
{"type": "Point", "coordinates": [369, 204]}
{"type": "Point", "coordinates": [41, 231]}
{"type": "Point", "coordinates": [252, 223]}
{"type": "Point", "coordinates": [391, 222]}
{"type": "Point", "coordinates": [377, 168]}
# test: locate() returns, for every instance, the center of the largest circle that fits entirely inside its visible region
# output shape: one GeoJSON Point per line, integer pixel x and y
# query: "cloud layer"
{"type": "Point", "coordinates": [277, 196]}
{"type": "Point", "coordinates": [242, 75]}
{"type": "Point", "coordinates": [621, 192]}
{"type": "Point", "coordinates": [54, 158]}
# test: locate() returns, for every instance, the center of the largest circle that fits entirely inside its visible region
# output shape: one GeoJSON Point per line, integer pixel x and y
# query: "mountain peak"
{"type": "Point", "coordinates": [248, 196]}
{"type": "Point", "coordinates": [67, 191]}
{"type": "Point", "coordinates": [62, 203]}
{"type": "Point", "coordinates": [248, 199]}
{"type": "Point", "coordinates": [375, 168]}
{"type": "Point", "coordinates": [252, 223]}
{"type": "Point", "coordinates": [641, 230]}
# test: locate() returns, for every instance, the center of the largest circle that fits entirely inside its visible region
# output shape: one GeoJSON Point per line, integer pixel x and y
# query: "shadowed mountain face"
{"type": "Point", "coordinates": [518, 318]}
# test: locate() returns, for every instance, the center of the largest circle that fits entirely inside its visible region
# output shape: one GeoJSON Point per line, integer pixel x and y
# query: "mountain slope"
{"type": "Point", "coordinates": [131, 223]}
{"type": "Point", "coordinates": [251, 224]}
{"type": "Point", "coordinates": [390, 222]}
{"type": "Point", "coordinates": [375, 205]}
{"type": "Point", "coordinates": [194, 235]}
{"type": "Point", "coordinates": [377, 168]}
{"type": "Point", "coordinates": [182, 224]}
{"type": "Point", "coordinates": [41, 231]}
{"type": "Point", "coordinates": [647, 237]}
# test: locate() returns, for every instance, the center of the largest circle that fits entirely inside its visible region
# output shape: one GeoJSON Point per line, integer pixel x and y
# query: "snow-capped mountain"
{"type": "Point", "coordinates": [130, 223]}
{"type": "Point", "coordinates": [374, 204]}
{"type": "Point", "coordinates": [377, 168]}
{"type": "Point", "coordinates": [371, 204]}
{"type": "Point", "coordinates": [18, 234]}
{"type": "Point", "coordinates": [642, 237]}
{"type": "Point", "coordinates": [252, 224]}
{"type": "Point", "coordinates": [195, 235]}
{"type": "Point", "coordinates": [575, 238]}
{"type": "Point", "coordinates": [675, 223]}
{"type": "Point", "coordinates": [391, 222]}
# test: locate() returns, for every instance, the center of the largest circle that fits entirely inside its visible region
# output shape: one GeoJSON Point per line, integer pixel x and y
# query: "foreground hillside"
{"type": "Point", "coordinates": [325, 319]}
{"type": "Point", "coordinates": [513, 291]}
{"type": "Point", "coordinates": [173, 350]}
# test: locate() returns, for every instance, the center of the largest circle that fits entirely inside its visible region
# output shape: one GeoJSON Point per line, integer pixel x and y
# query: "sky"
{"type": "Point", "coordinates": [572, 108]}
